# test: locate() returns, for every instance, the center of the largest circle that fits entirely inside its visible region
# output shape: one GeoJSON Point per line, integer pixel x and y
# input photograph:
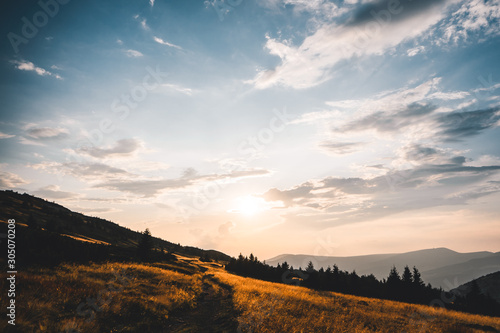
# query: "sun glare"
{"type": "Point", "coordinates": [250, 205]}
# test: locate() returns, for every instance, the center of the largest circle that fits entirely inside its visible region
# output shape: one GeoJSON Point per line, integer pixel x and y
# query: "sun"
{"type": "Point", "coordinates": [250, 205]}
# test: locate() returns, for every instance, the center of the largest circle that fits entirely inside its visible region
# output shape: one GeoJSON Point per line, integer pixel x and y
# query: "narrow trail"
{"type": "Point", "coordinates": [215, 311]}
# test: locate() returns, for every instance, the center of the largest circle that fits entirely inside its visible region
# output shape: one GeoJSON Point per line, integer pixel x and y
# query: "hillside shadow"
{"type": "Point", "coordinates": [215, 311]}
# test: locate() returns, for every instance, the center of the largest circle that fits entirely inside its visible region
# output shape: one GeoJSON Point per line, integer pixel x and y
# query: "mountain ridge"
{"type": "Point", "coordinates": [43, 218]}
{"type": "Point", "coordinates": [442, 267]}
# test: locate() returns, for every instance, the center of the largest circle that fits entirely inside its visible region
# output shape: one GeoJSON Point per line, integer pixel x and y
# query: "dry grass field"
{"type": "Point", "coordinates": [271, 307]}
{"type": "Point", "coordinates": [190, 296]}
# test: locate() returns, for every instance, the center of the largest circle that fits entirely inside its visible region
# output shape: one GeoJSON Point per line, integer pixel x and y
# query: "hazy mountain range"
{"type": "Point", "coordinates": [440, 267]}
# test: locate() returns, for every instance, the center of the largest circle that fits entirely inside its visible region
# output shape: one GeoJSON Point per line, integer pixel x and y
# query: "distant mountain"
{"type": "Point", "coordinates": [441, 267]}
{"type": "Point", "coordinates": [44, 219]}
{"type": "Point", "coordinates": [488, 285]}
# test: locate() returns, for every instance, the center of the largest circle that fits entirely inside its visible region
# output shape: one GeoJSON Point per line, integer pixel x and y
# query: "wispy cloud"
{"type": "Point", "coordinates": [123, 147]}
{"type": "Point", "coordinates": [178, 88]}
{"type": "Point", "coordinates": [436, 182]}
{"type": "Point", "coordinates": [151, 3]}
{"type": "Point", "coordinates": [54, 192]}
{"type": "Point", "coordinates": [6, 136]}
{"type": "Point", "coordinates": [85, 171]}
{"type": "Point", "coordinates": [46, 133]}
{"type": "Point", "coordinates": [163, 42]}
{"type": "Point", "coordinates": [153, 187]}
{"type": "Point", "coordinates": [472, 21]}
{"type": "Point", "coordinates": [30, 67]}
{"type": "Point", "coordinates": [341, 148]}
{"type": "Point", "coordinates": [144, 25]}
{"type": "Point", "coordinates": [11, 180]}
{"type": "Point", "coordinates": [133, 53]}
{"type": "Point", "coordinates": [364, 33]}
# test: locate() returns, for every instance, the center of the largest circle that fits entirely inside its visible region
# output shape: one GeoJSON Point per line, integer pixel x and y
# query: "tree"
{"type": "Point", "coordinates": [417, 279]}
{"type": "Point", "coordinates": [145, 246]}
{"type": "Point", "coordinates": [393, 277]}
{"type": "Point", "coordinates": [393, 284]}
{"type": "Point", "coordinates": [310, 267]}
{"type": "Point", "coordinates": [407, 277]}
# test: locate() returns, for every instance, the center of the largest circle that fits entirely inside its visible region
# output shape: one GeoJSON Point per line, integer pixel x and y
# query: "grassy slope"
{"type": "Point", "coordinates": [190, 296]}
{"type": "Point", "coordinates": [271, 307]}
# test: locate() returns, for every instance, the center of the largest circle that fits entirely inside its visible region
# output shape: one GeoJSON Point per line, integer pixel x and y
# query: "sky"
{"type": "Point", "coordinates": [282, 126]}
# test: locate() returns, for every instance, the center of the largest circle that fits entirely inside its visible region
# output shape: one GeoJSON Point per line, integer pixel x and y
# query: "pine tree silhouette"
{"type": "Point", "coordinates": [145, 246]}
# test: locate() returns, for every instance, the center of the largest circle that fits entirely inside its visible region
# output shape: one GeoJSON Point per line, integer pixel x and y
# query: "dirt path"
{"type": "Point", "coordinates": [215, 311]}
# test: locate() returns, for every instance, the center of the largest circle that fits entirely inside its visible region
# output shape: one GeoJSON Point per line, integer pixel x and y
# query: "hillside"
{"type": "Point", "coordinates": [487, 285]}
{"type": "Point", "coordinates": [187, 295]}
{"type": "Point", "coordinates": [48, 220]}
{"type": "Point", "coordinates": [441, 267]}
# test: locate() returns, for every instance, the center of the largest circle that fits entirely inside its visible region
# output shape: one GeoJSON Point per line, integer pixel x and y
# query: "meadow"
{"type": "Point", "coordinates": [187, 295]}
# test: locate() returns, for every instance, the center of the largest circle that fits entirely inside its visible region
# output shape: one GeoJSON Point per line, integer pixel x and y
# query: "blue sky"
{"type": "Point", "coordinates": [281, 126]}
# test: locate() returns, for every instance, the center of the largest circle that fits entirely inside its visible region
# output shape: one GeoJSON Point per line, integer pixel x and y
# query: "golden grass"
{"type": "Point", "coordinates": [113, 297]}
{"type": "Point", "coordinates": [86, 239]}
{"type": "Point", "coordinates": [270, 307]}
{"type": "Point", "coordinates": [121, 297]}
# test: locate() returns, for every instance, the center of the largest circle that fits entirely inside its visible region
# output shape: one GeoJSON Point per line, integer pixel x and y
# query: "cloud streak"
{"type": "Point", "coordinates": [24, 65]}
{"type": "Point", "coordinates": [163, 42]}
{"type": "Point", "coordinates": [373, 28]}
{"type": "Point", "coordinates": [122, 148]}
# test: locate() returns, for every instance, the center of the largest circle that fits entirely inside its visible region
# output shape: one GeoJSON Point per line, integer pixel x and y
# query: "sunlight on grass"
{"type": "Point", "coordinates": [268, 307]}
{"type": "Point", "coordinates": [102, 298]}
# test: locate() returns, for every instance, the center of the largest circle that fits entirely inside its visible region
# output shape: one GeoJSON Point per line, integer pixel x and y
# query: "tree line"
{"type": "Point", "coordinates": [406, 287]}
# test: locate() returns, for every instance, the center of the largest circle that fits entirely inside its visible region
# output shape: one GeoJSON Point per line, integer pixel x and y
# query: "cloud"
{"type": "Point", "coordinates": [393, 11]}
{"type": "Point", "coordinates": [153, 187]}
{"type": "Point", "coordinates": [416, 50]}
{"type": "Point", "coordinates": [30, 67]}
{"type": "Point", "coordinates": [334, 200]}
{"type": "Point", "coordinates": [84, 171]}
{"type": "Point", "coordinates": [146, 188]}
{"type": "Point", "coordinates": [384, 121]}
{"type": "Point", "coordinates": [163, 42]}
{"type": "Point", "coordinates": [471, 21]}
{"type": "Point", "coordinates": [133, 53]}
{"type": "Point", "coordinates": [324, 9]}
{"type": "Point", "coordinates": [124, 147]}
{"type": "Point", "coordinates": [54, 192]}
{"type": "Point", "coordinates": [373, 28]}
{"type": "Point", "coordinates": [289, 197]}
{"type": "Point", "coordinates": [47, 133]}
{"type": "Point", "coordinates": [144, 25]}
{"type": "Point", "coordinates": [459, 125]}
{"type": "Point", "coordinates": [6, 136]}
{"type": "Point", "coordinates": [341, 148]}
{"type": "Point", "coordinates": [412, 112]}
{"type": "Point", "coordinates": [89, 210]}
{"type": "Point", "coordinates": [11, 180]}
{"type": "Point", "coordinates": [242, 174]}
{"type": "Point", "coordinates": [175, 87]}
{"type": "Point", "coordinates": [151, 3]}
